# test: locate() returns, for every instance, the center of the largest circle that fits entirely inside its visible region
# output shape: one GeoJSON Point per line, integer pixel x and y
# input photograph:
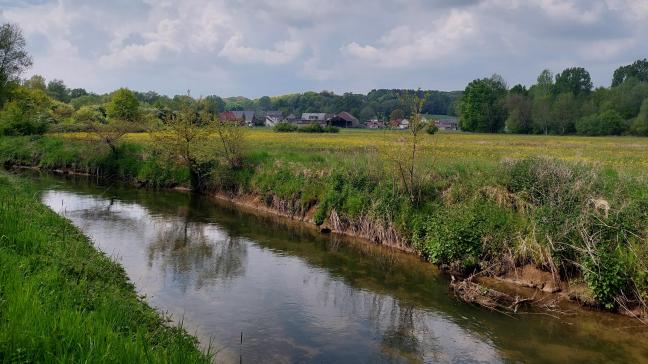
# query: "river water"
{"type": "Point", "coordinates": [258, 289]}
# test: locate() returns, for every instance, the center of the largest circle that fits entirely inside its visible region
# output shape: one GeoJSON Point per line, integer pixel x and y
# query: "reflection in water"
{"type": "Point", "coordinates": [297, 296]}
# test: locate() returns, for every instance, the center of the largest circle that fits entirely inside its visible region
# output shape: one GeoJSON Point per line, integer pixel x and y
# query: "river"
{"type": "Point", "coordinates": [260, 289]}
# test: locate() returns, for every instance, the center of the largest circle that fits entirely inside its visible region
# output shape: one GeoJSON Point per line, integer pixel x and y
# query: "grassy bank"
{"type": "Point", "coordinates": [574, 207]}
{"type": "Point", "coordinates": [63, 301]}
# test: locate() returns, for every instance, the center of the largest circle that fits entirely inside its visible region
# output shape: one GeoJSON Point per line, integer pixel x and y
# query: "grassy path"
{"type": "Point", "coordinates": [61, 300]}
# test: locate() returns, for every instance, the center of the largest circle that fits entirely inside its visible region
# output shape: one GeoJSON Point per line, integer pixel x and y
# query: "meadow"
{"type": "Point", "coordinates": [573, 206]}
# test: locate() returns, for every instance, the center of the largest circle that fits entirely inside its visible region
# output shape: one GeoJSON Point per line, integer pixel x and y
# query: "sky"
{"type": "Point", "coordinates": [267, 47]}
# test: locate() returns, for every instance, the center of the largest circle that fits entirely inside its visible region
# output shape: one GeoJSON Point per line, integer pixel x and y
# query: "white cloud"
{"type": "Point", "coordinates": [281, 53]}
{"type": "Point", "coordinates": [403, 46]}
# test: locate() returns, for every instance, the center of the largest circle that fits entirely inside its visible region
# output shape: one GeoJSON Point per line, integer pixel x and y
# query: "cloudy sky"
{"type": "Point", "coordinates": [270, 47]}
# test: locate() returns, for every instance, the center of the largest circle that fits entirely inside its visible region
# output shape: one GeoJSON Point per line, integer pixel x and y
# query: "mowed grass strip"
{"type": "Point", "coordinates": [62, 301]}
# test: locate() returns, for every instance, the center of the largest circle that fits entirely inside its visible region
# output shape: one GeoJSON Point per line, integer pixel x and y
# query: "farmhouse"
{"type": "Point", "coordinates": [313, 118]}
{"type": "Point", "coordinates": [246, 117]}
{"type": "Point", "coordinates": [269, 118]}
{"type": "Point", "coordinates": [344, 120]}
{"type": "Point", "coordinates": [447, 124]}
{"type": "Point", "coordinates": [375, 124]}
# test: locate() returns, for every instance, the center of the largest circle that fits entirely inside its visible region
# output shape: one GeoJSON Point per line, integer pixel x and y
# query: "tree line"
{"type": "Point", "coordinates": [565, 103]}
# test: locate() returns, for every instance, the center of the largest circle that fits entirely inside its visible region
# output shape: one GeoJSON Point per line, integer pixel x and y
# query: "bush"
{"type": "Point", "coordinates": [608, 122]}
{"type": "Point", "coordinates": [284, 127]}
{"type": "Point", "coordinates": [311, 128]}
{"type": "Point", "coordinates": [432, 129]}
{"type": "Point", "coordinates": [463, 234]}
{"type": "Point", "coordinates": [605, 275]}
{"type": "Point", "coordinates": [26, 114]}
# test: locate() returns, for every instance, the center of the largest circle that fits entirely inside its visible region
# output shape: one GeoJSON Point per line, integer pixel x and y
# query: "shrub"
{"type": "Point", "coordinates": [463, 234]}
{"type": "Point", "coordinates": [432, 129]}
{"type": "Point", "coordinates": [604, 273]}
{"type": "Point", "coordinates": [26, 114]}
{"type": "Point", "coordinates": [284, 127]}
{"type": "Point", "coordinates": [311, 128]}
{"type": "Point", "coordinates": [608, 122]}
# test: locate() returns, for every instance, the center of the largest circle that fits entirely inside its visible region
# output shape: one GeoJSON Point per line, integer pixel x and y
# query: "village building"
{"type": "Point", "coordinates": [313, 118]}
{"type": "Point", "coordinates": [447, 124]}
{"type": "Point", "coordinates": [268, 118]}
{"type": "Point", "coordinates": [244, 117]}
{"type": "Point", "coordinates": [344, 120]}
{"type": "Point", "coordinates": [375, 124]}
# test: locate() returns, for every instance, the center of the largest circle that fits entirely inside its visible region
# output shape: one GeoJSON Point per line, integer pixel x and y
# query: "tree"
{"type": "Point", "coordinates": [14, 59]}
{"type": "Point", "coordinates": [57, 90]}
{"type": "Point", "coordinates": [519, 108]}
{"type": "Point", "coordinates": [575, 80]}
{"type": "Point", "coordinates": [27, 113]}
{"type": "Point", "coordinates": [77, 92]}
{"type": "Point", "coordinates": [36, 82]}
{"type": "Point", "coordinates": [367, 113]}
{"type": "Point", "coordinates": [405, 157]}
{"type": "Point", "coordinates": [123, 105]}
{"type": "Point", "coordinates": [397, 114]}
{"type": "Point", "coordinates": [265, 103]}
{"type": "Point", "coordinates": [640, 124]}
{"type": "Point", "coordinates": [638, 70]}
{"type": "Point", "coordinates": [185, 139]}
{"type": "Point", "coordinates": [544, 83]}
{"type": "Point", "coordinates": [541, 115]}
{"type": "Point", "coordinates": [482, 107]}
{"type": "Point", "coordinates": [564, 113]}
{"type": "Point", "coordinates": [213, 104]}
{"type": "Point", "coordinates": [608, 122]}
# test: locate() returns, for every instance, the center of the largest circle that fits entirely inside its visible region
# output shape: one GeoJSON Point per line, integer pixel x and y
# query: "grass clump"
{"type": "Point", "coordinates": [63, 301]}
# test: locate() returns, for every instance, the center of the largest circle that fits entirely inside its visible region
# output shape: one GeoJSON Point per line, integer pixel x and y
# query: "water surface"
{"type": "Point", "coordinates": [295, 295]}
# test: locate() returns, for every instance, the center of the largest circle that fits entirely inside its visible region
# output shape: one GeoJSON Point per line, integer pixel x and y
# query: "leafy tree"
{"type": "Point", "coordinates": [27, 113]}
{"type": "Point", "coordinates": [544, 84]}
{"type": "Point", "coordinates": [77, 92]}
{"type": "Point", "coordinates": [265, 103]}
{"type": "Point", "coordinates": [14, 59]}
{"type": "Point", "coordinates": [519, 108]}
{"type": "Point", "coordinates": [564, 113]}
{"type": "Point", "coordinates": [397, 114]}
{"type": "Point", "coordinates": [640, 124]}
{"type": "Point", "coordinates": [608, 122]}
{"type": "Point", "coordinates": [541, 116]}
{"type": "Point", "coordinates": [57, 90]}
{"type": "Point", "coordinates": [625, 98]}
{"type": "Point", "coordinates": [482, 107]}
{"type": "Point", "coordinates": [575, 80]}
{"type": "Point", "coordinates": [185, 139]}
{"type": "Point", "coordinates": [90, 114]}
{"type": "Point", "coordinates": [213, 104]}
{"type": "Point", "coordinates": [36, 82]}
{"type": "Point", "coordinates": [638, 70]}
{"type": "Point", "coordinates": [123, 105]}
{"type": "Point", "coordinates": [367, 113]}
{"type": "Point", "coordinates": [519, 89]}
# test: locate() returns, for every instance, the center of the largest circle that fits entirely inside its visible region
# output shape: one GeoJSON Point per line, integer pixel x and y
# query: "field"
{"type": "Point", "coordinates": [574, 206]}
{"type": "Point", "coordinates": [625, 154]}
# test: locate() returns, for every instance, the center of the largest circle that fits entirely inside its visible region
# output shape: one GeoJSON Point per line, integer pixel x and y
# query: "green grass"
{"type": "Point", "coordinates": [62, 301]}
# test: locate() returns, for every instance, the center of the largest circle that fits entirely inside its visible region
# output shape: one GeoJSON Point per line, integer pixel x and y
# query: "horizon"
{"type": "Point", "coordinates": [261, 48]}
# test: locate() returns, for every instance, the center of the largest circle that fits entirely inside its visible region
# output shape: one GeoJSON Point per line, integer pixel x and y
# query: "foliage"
{"type": "Point", "coordinates": [637, 70]}
{"type": "Point", "coordinates": [27, 113]}
{"type": "Point", "coordinates": [58, 91]}
{"type": "Point", "coordinates": [608, 122]}
{"type": "Point", "coordinates": [123, 105]}
{"type": "Point", "coordinates": [284, 127]}
{"type": "Point", "coordinates": [232, 137]}
{"type": "Point", "coordinates": [604, 272]}
{"type": "Point", "coordinates": [640, 124]}
{"type": "Point", "coordinates": [14, 59]}
{"type": "Point", "coordinates": [575, 80]}
{"type": "Point", "coordinates": [481, 106]}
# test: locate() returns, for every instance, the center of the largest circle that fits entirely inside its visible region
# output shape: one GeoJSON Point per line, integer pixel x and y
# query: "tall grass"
{"type": "Point", "coordinates": [63, 301]}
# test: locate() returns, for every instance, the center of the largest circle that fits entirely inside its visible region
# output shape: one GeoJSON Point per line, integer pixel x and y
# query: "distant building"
{"type": "Point", "coordinates": [268, 118]}
{"type": "Point", "coordinates": [447, 124]}
{"type": "Point", "coordinates": [313, 118]}
{"type": "Point", "coordinates": [344, 120]}
{"type": "Point", "coordinates": [246, 116]}
{"type": "Point", "coordinates": [375, 124]}
{"type": "Point", "coordinates": [399, 124]}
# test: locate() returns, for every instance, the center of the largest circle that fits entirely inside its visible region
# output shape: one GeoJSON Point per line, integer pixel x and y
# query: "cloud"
{"type": "Point", "coordinates": [403, 46]}
{"type": "Point", "coordinates": [281, 53]}
{"type": "Point", "coordinates": [258, 47]}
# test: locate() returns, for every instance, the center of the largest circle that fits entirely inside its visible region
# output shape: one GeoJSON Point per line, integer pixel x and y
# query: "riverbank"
{"type": "Point", "coordinates": [579, 224]}
{"type": "Point", "coordinates": [61, 300]}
